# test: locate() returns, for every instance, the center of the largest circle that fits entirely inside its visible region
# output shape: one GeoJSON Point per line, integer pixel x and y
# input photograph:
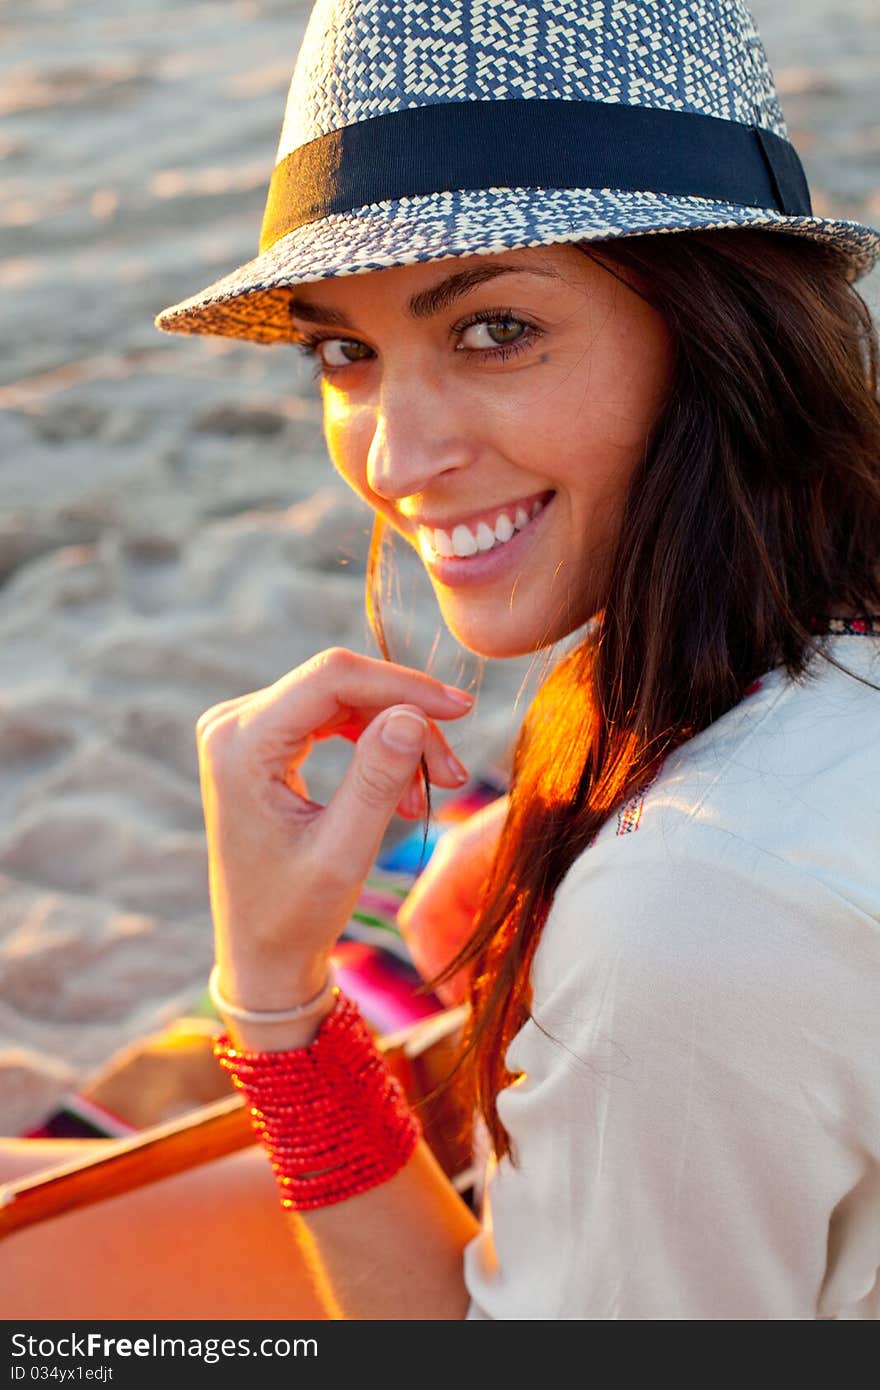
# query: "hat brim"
{"type": "Point", "coordinates": [252, 302]}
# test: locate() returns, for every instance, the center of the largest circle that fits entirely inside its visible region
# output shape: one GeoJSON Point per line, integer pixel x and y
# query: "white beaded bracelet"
{"type": "Point", "coordinates": [309, 1009]}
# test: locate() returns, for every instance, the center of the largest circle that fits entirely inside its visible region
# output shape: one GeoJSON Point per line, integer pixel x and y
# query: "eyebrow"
{"type": "Point", "coordinates": [427, 302]}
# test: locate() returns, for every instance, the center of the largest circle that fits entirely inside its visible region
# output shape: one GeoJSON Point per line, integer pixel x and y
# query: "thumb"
{"type": "Point", "coordinates": [358, 814]}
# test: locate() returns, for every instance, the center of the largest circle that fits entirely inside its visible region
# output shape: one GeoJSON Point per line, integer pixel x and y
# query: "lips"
{"type": "Point", "coordinates": [500, 562]}
{"type": "Point", "coordinates": [492, 529]}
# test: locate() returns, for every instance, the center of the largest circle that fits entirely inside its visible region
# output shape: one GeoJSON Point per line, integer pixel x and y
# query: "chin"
{"type": "Point", "coordinates": [501, 641]}
{"type": "Point", "coordinates": [499, 651]}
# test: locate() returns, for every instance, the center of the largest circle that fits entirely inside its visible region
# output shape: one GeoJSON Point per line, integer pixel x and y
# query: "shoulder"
{"type": "Point", "coordinates": [698, 1082]}
{"type": "Point", "coordinates": [739, 895]}
{"type": "Point", "coordinates": [793, 770]}
{"type": "Point", "coordinates": [773, 811]}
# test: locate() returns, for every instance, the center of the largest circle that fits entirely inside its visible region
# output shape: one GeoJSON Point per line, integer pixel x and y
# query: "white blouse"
{"type": "Point", "coordinates": [698, 1123]}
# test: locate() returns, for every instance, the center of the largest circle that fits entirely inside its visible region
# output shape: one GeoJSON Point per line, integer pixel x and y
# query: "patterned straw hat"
{"type": "Point", "coordinates": [418, 130]}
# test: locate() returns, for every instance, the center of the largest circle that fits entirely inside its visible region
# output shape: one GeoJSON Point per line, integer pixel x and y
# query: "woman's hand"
{"type": "Point", "coordinates": [286, 872]}
{"type": "Point", "coordinates": [437, 916]}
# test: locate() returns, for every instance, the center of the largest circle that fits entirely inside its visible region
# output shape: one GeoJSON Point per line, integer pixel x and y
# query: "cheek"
{"type": "Point", "coordinates": [642, 370]}
{"type": "Point", "coordinates": [348, 434]}
{"type": "Point", "coordinates": [625, 389]}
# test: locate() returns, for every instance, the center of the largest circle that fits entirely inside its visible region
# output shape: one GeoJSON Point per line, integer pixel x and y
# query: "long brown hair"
{"type": "Point", "coordinates": [753, 516]}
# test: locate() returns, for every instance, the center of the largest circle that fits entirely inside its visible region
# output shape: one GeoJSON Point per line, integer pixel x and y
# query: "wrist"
{"type": "Point", "coordinates": [334, 1119]}
{"type": "Point", "coordinates": [275, 1037]}
{"type": "Point", "coordinates": [269, 984]}
{"type": "Point", "coordinates": [252, 1003]}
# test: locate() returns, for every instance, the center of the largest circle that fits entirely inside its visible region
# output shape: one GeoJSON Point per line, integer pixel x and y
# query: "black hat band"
{"type": "Point", "coordinates": [473, 145]}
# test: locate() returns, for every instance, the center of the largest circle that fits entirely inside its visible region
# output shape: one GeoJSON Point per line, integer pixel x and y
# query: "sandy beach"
{"type": "Point", "coordinates": [171, 530]}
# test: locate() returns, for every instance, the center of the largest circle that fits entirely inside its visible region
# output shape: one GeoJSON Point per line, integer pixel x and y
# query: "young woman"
{"type": "Point", "coordinates": [664, 452]}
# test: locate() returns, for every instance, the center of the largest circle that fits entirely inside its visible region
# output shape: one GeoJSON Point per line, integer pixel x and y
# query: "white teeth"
{"type": "Point", "coordinates": [463, 542]}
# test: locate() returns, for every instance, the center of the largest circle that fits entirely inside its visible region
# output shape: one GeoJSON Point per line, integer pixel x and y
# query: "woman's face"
{"type": "Point", "coordinates": [459, 394]}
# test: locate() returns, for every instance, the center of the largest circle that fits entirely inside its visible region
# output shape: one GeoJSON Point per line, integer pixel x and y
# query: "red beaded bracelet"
{"type": "Point", "coordinates": [333, 1117]}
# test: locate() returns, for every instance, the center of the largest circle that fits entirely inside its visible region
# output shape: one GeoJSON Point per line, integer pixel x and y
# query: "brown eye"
{"type": "Point", "coordinates": [504, 331]}
{"type": "Point", "coordinates": [495, 333]}
{"type": "Point", "coordinates": [342, 352]}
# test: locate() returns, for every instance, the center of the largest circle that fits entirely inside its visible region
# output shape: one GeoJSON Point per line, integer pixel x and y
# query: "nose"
{"type": "Point", "coordinates": [419, 432]}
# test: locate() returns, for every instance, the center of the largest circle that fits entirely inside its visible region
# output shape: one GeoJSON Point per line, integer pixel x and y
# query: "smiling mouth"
{"type": "Point", "coordinates": [463, 542]}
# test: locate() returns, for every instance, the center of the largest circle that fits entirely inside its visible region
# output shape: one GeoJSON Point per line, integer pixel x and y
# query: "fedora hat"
{"type": "Point", "coordinates": [417, 130]}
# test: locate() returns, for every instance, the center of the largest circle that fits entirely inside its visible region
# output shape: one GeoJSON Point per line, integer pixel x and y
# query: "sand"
{"type": "Point", "coordinates": [171, 531]}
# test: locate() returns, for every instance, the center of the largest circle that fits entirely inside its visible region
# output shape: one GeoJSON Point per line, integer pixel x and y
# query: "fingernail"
{"type": "Point", "coordinates": [461, 697]}
{"type": "Point", "coordinates": [457, 769]}
{"type": "Point", "coordinates": [404, 731]}
{"type": "Point", "coordinates": [415, 799]}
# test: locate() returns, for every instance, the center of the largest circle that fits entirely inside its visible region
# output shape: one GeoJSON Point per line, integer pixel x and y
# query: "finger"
{"type": "Point", "coordinates": [209, 716]}
{"type": "Point", "coordinates": [412, 804]}
{"type": "Point", "coordinates": [444, 768]}
{"type": "Point", "coordinates": [357, 816]}
{"type": "Point", "coordinates": [338, 688]}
